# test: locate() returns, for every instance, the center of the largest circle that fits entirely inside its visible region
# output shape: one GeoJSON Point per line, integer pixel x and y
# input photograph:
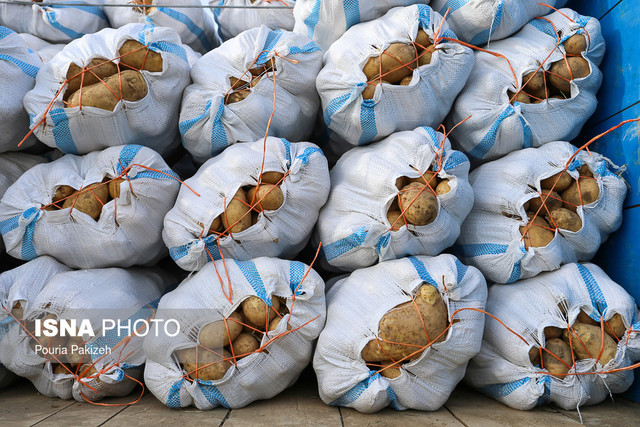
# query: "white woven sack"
{"type": "Point", "coordinates": [497, 127]}
{"type": "Point", "coordinates": [355, 306]}
{"type": "Point", "coordinates": [151, 121]}
{"type": "Point", "coordinates": [280, 233]}
{"type": "Point", "coordinates": [480, 21]}
{"type": "Point", "coordinates": [72, 236]}
{"type": "Point", "coordinates": [21, 285]}
{"type": "Point", "coordinates": [325, 21]}
{"type": "Point", "coordinates": [97, 295]}
{"type": "Point", "coordinates": [502, 369]}
{"type": "Point", "coordinates": [207, 125]}
{"type": "Point", "coordinates": [55, 23]}
{"type": "Point", "coordinates": [18, 68]}
{"type": "Point", "coordinates": [232, 22]}
{"type": "Point", "coordinates": [42, 48]}
{"type": "Point", "coordinates": [192, 24]}
{"type": "Point", "coordinates": [353, 226]}
{"type": "Point", "coordinates": [490, 238]}
{"type": "Point", "coordinates": [352, 120]}
{"type": "Point", "coordinates": [200, 300]}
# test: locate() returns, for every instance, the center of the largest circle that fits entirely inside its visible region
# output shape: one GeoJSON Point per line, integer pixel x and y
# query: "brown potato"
{"type": "Point", "coordinates": [521, 97]}
{"type": "Point", "coordinates": [590, 342]}
{"type": "Point", "coordinates": [534, 356]}
{"type": "Point", "coordinates": [237, 211]}
{"type": "Point", "coordinates": [563, 183]}
{"type": "Point", "coordinates": [395, 220]}
{"type": "Point", "coordinates": [134, 55]}
{"type": "Point", "coordinates": [61, 369]}
{"type": "Point", "coordinates": [561, 350]}
{"type": "Point", "coordinates": [559, 75]}
{"type": "Point", "coordinates": [397, 62]}
{"type": "Point", "coordinates": [583, 317]}
{"type": "Point", "coordinates": [552, 332]}
{"type": "Point", "coordinates": [443, 187]}
{"type": "Point", "coordinates": [588, 189]}
{"type": "Point", "coordinates": [255, 310]}
{"type": "Point", "coordinates": [244, 345]}
{"type": "Point", "coordinates": [406, 81]}
{"type": "Point", "coordinates": [128, 85]}
{"type": "Point", "coordinates": [17, 310]}
{"type": "Point", "coordinates": [565, 219]}
{"type": "Point", "coordinates": [269, 197]}
{"type": "Point", "coordinates": [576, 44]}
{"type": "Point", "coordinates": [552, 202]}
{"type": "Point", "coordinates": [533, 81]}
{"type": "Point", "coordinates": [252, 328]}
{"type": "Point", "coordinates": [584, 170]}
{"type": "Point", "coordinates": [216, 225]}
{"type": "Point", "coordinates": [275, 322]}
{"type": "Point", "coordinates": [401, 181]}
{"type": "Point", "coordinates": [390, 371]}
{"type": "Point", "coordinates": [428, 177]}
{"type": "Point", "coordinates": [89, 200]}
{"type": "Point", "coordinates": [236, 83]}
{"type": "Point", "coordinates": [210, 366]}
{"type": "Point", "coordinates": [422, 40]}
{"type": "Point", "coordinates": [426, 55]}
{"type": "Point", "coordinates": [215, 335]}
{"type": "Point", "coordinates": [421, 211]}
{"type": "Point", "coordinates": [88, 371]}
{"type": "Point", "coordinates": [97, 67]}
{"type": "Point", "coordinates": [615, 327]}
{"type": "Point", "coordinates": [62, 192]}
{"type": "Point", "coordinates": [114, 187]}
{"type": "Point", "coordinates": [236, 96]}
{"type": "Point", "coordinates": [272, 177]}
{"type": "Point", "coordinates": [538, 220]}
{"type": "Point", "coordinates": [536, 237]}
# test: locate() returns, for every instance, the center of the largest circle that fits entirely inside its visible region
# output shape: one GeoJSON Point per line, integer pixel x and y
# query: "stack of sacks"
{"type": "Point", "coordinates": [232, 22]}
{"type": "Point", "coordinates": [44, 49]}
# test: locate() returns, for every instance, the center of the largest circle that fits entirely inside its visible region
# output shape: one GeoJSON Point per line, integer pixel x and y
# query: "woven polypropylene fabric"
{"type": "Point", "coordinates": [232, 22]}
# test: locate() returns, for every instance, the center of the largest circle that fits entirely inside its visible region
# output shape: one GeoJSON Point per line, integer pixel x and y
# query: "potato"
{"type": "Point", "coordinates": [561, 350]}
{"type": "Point", "coordinates": [237, 211]}
{"type": "Point", "coordinates": [370, 90]}
{"type": "Point", "coordinates": [534, 356]}
{"type": "Point", "coordinates": [267, 67]}
{"type": "Point", "coordinates": [552, 332]}
{"type": "Point", "coordinates": [443, 187]}
{"type": "Point", "coordinates": [89, 200]}
{"type": "Point", "coordinates": [244, 345]}
{"type": "Point", "coordinates": [128, 85]}
{"type": "Point", "coordinates": [88, 371]}
{"type": "Point", "coordinates": [565, 219]}
{"type": "Point", "coordinates": [401, 181]}
{"type": "Point", "coordinates": [275, 322]}
{"type": "Point", "coordinates": [215, 335]}
{"type": "Point", "coordinates": [17, 310]}
{"type": "Point", "coordinates": [396, 62]}
{"type": "Point", "coordinates": [272, 177]}
{"type": "Point", "coordinates": [237, 96]}
{"type": "Point", "coordinates": [250, 328]}
{"type": "Point", "coordinates": [536, 237]}
{"type": "Point", "coordinates": [215, 226]}
{"type": "Point", "coordinates": [403, 325]}
{"type": "Point", "coordinates": [521, 97]}
{"type": "Point", "coordinates": [576, 44]}
{"type": "Point", "coordinates": [552, 202]}
{"type": "Point", "coordinates": [564, 181]}
{"type": "Point", "coordinates": [538, 220]}
{"type": "Point", "coordinates": [390, 371]}
{"type": "Point", "coordinates": [588, 189]}
{"type": "Point", "coordinates": [559, 75]}
{"type": "Point", "coordinates": [237, 83]}
{"type": "Point", "coordinates": [255, 310]}
{"type": "Point", "coordinates": [62, 192]}
{"type": "Point", "coordinates": [428, 177]}
{"type": "Point", "coordinates": [533, 82]}
{"type": "Point", "coordinates": [395, 220]}
{"type": "Point", "coordinates": [419, 205]}
{"type": "Point", "coordinates": [422, 40]}
{"type": "Point", "coordinates": [583, 317]}
{"type": "Point", "coordinates": [61, 369]}
{"type": "Point", "coordinates": [101, 67]}
{"type": "Point", "coordinates": [76, 351]}
{"type": "Point", "coordinates": [134, 55]}
{"type": "Point", "coordinates": [269, 197]}
{"type": "Point", "coordinates": [590, 342]}
{"type": "Point", "coordinates": [615, 327]}
{"type": "Point", "coordinates": [406, 81]}
{"type": "Point", "coordinates": [210, 366]}
{"type": "Point", "coordinates": [584, 170]}
{"type": "Point", "coordinates": [114, 187]}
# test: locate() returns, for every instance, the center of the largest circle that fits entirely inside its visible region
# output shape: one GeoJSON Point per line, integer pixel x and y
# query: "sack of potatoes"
{"type": "Point", "coordinates": [255, 13]}
{"type": "Point", "coordinates": [117, 86]}
{"type": "Point", "coordinates": [194, 25]}
{"type": "Point", "coordinates": [42, 48]}
{"type": "Point", "coordinates": [325, 21]}
{"type": "Point", "coordinates": [531, 215]}
{"type": "Point", "coordinates": [571, 343]}
{"type": "Point", "coordinates": [405, 195]}
{"type": "Point", "coordinates": [18, 68]}
{"type": "Point", "coordinates": [391, 74]}
{"type": "Point", "coordinates": [400, 334]}
{"type": "Point", "coordinates": [104, 209]}
{"type": "Point", "coordinates": [67, 343]}
{"type": "Point", "coordinates": [246, 333]}
{"type": "Point", "coordinates": [480, 21]}
{"type": "Point", "coordinates": [18, 288]}
{"type": "Point", "coordinates": [532, 88]}
{"type": "Point", "coordinates": [255, 199]}
{"type": "Point", "coordinates": [260, 80]}
{"type": "Point", "coordinates": [56, 23]}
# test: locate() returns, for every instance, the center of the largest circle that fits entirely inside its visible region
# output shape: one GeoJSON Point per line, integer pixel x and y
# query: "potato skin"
{"type": "Point", "coordinates": [100, 67]}
{"type": "Point", "coordinates": [244, 345]}
{"type": "Point", "coordinates": [428, 177]}
{"type": "Point", "coordinates": [533, 81]}
{"type": "Point", "coordinates": [133, 55]}
{"type": "Point", "coordinates": [576, 44]}
{"type": "Point", "coordinates": [269, 197]}
{"type": "Point", "coordinates": [395, 56]}
{"type": "Point", "coordinates": [443, 187]}
{"type": "Point", "coordinates": [563, 183]}
{"type": "Point", "coordinates": [217, 368]}
{"type": "Point", "coordinates": [237, 210]}
{"type": "Point", "coordinates": [86, 200]}
{"type": "Point", "coordinates": [552, 332]}
{"type": "Point", "coordinates": [590, 336]}
{"type": "Point", "coordinates": [616, 327]}
{"type": "Point", "coordinates": [536, 236]}
{"type": "Point", "coordinates": [255, 310]}
{"type": "Point", "coordinates": [565, 219]}
{"type": "Point", "coordinates": [114, 187]}
{"type": "Point", "coordinates": [561, 350]}
{"type": "Point", "coordinates": [588, 189]}
{"type": "Point", "coordinates": [214, 335]}
{"type": "Point", "coordinates": [559, 75]}
{"type": "Point", "coordinates": [421, 211]}
{"type": "Point", "coordinates": [553, 201]}
{"type": "Point", "coordinates": [422, 39]}
{"type": "Point", "coordinates": [134, 88]}
{"type": "Point", "coordinates": [273, 177]}
{"type": "Point", "coordinates": [395, 220]}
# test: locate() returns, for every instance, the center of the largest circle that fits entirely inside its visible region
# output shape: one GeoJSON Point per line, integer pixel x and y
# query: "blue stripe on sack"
{"type": "Point", "coordinates": [602, 170]}
{"type": "Point", "coordinates": [503, 390]}
{"type": "Point", "coordinates": [296, 273]}
{"type": "Point", "coordinates": [163, 174]}
{"type": "Point", "coordinates": [269, 44]}
{"type": "Point", "coordinates": [61, 132]}
{"type": "Point", "coordinates": [424, 16]}
{"type": "Point", "coordinates": [173, 400]}
{"type": "Point", "coordinates": [483, 36]}
{"type": "Point", "coordinates": [211, 243]}
{"type": "Point", "coordinates": [184, 126]}
{"type": "Point", "coordinates": [127, 154]}
{"type": "Point", "coordinates": [85, 7]}
{"type": "Point", "coordinates": [454, 5]}
{"type": "Point", "coordinates": [527, 135]}
{"type": "Point", "coordinates": [218, 134]}
{"type": "Point", "coordinates": [383, 242]}
{"type": "Point", "coordinates": [367, 122]}
{"type": "Point", "coordinates": [5, 324]}
{"type": "Point", "coordinates": [28, 69]}
{"type": "Point", "coordinates": [250, 272]}
{"type": "Point", "coordinates": [544, 26]}
{"type": "Point", "coordinates": [287, 147]}
{"type": "Point", "coordinates": [333, 106]}
{"type": "Point", "coordinates": [393, 400]}
{"type": "Point", "coordinates": [307, 48]}
{"type": "Point", "coordinates": [516, 272]}
{"type": "Point", "coordinates": [304, 157]}
{"type": "Point", "coordinates": [483, 147]}
{"type": "Point", "coordinates": [433, 136]}
{"type": "Point", "coordinates": [462, 270]}
{"type": "Point", "coordinates": [422, 271]}
{"type": "Point", "coordinates": [169, 48]}
{"type": "Point", "coordinates": [28, 250]}
{"type": "Point", "coordinates": [212, 394]}
{"type": "Point", "coordinates": [191, 26]}
{"type": "Point", "coordinates": [4, 32]}
{"type": "Point", "coordinates": [216, 11]}
{"type": "Point", "coordinates": [178, 252]}
{"type": "Point", "coordinates": [9, 224]}
{"type": "Point", "coordinates": [342, 246]}
{"type": "Point", "coordinates": [546, 395]}
{"type": "Point", "coordinates": [598, 301]}
{"type": "Point", "coordinates": [354, 392]}
{"type": "Point", "coordinates": [351, 12]}
{"type": "Point", "coordinates": [53, 21]}
{"type": "Point", "coordinates": [479, 249]}
{"type": "Point", "coordinates": [455, 159]}
{"type": "Point", "coordinates": [312, 20]}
